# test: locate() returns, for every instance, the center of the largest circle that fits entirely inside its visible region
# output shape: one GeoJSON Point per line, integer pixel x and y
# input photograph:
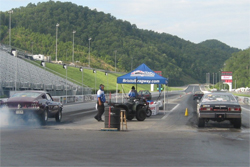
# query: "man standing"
{"type": "Point", "coordinates": [100, 103]}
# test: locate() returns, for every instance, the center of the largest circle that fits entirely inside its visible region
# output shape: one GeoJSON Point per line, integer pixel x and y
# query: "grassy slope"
{"type": "Point", "coordinates": [241, 94]}
{"type": "Point", "coordinates": [89, 78]}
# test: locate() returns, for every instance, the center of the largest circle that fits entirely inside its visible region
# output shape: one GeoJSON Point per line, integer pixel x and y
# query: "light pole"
{"type": "Point", "coordinates": [43, 65]}
{"type": "Point", "coordinates": [115, 60]}
{"type": "Point", "coordinates": [73, 46]}
{"type": "Point", "coordinates": [57, 25]}
{"type": "Point", "coordinates": [81, 69]}
{"type": "Point", "coordinates": [106, 73]}
{"type": "Point", "coordinates": [213, 80]}
{"type": "Point", "coordinates": [89, 51]}
{"type": "Point", "coordinates": [208, 79]}
{"type": "Point", "coordinates": [11, 11]}
{"type": "Point", "coordinates": [219, 79]}
{"type": "Point", "coordinates": [94, 71]}
{"type": "Point", "coordinates": [65, 67]}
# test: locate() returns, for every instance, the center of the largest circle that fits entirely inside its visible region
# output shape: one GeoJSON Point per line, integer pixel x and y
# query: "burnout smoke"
{"type": "Point", "coordinates": [8, 119]}
{"type": "Point", "coordinates": [4, 117]}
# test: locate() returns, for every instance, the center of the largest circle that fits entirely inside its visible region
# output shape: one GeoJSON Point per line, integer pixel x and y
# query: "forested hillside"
{"type": "Point", "coordinates": [183, 62]}
{"type": "Point", "coordinates": [239, 64]}
{"type": "Point", "coordinates": [215, 44]}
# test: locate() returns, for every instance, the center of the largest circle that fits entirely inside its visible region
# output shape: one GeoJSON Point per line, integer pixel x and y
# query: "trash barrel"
{"type": "Point", "coordinates": [112, 120]}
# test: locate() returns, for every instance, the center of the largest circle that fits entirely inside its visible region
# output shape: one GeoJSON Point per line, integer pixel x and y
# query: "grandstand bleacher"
{"type": "Point", "coordinates": [16, 73]}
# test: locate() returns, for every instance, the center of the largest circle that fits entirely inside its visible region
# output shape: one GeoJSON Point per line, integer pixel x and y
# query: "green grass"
{"type": "Point", "coordinates": [89, 78]}
{"type": "Point", "coordinates": [241, 94]}
{"type": "Point", "coordinates": [176, 88]}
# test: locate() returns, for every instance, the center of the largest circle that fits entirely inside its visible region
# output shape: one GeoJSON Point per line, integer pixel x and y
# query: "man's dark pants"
{"type": "Point", "coordinates": [100, 111]}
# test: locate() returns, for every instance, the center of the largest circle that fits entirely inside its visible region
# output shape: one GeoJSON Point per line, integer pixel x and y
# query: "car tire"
{"type": "Point", "coordinates": [141, 114]}
{"type": "Point", "coordinates": [201, 122]}
{"type": "Point", "coordinates": [237, 123]}
{"type": "Point", "coordinates": [58, 116]}
{"type": "Point", "coordinates": [44, 117]}
{"type": "Point", "coordinates": [148, 112]}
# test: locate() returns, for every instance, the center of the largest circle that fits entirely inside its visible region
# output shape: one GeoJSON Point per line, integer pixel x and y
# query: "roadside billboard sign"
{"type": "Point", "coordinates": [227, 76]}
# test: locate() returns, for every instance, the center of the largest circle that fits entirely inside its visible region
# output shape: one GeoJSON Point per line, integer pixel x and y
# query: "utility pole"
{"type": "Point", "coordinates": [10, 12]}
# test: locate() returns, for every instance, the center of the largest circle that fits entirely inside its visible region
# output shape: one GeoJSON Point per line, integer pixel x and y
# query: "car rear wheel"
{"type": "Point", "coordinates": [44, 117]}
{"type": "Point", "coordinates": [58, 116]}
{"type": "Point", "coordinates": [201, 122]}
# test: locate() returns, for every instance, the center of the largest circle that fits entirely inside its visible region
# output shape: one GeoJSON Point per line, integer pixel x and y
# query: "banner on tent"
{"type": "Point", "coordinates": [140, 81]}
{"type": "Point", "coordinates": [142, 75]}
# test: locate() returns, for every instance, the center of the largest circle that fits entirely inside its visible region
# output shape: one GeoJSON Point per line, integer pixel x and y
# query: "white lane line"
{"type": "Point", "coordinates": [246, 108]}
{"type": "Point", "coordinates": [170, 111]}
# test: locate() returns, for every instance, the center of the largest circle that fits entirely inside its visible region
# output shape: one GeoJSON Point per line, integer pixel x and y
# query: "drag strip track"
{"type": "Point", "coordinates": [169, 138]}
{"type": "Point", "coordinates": [77, 115]}
{"type": "Point", "coordinates": [80, 111]}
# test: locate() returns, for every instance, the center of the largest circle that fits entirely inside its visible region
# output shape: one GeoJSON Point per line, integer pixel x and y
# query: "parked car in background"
{"type": "Point", "coordinates": [145, 93]}
{"type": "Point", "coordinates": [214, 90]}
{"type": "Point", "coordinates": [33, 104]}
{"type": "Point", "coordinates": [198, 95]}
{"type": "Point", "coordinates": [219, 107]}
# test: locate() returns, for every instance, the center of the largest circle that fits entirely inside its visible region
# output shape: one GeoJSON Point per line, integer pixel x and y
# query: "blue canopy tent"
{"type": "Point", "coordinates": [142, 75]}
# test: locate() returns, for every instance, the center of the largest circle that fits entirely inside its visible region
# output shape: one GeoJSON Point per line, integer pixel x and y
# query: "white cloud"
{"type": "Point", "coordinates": [194, 20]}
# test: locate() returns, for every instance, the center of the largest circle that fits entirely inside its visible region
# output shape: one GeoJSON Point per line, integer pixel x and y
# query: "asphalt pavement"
{"type": "Point", "coordinates": [167, 139]}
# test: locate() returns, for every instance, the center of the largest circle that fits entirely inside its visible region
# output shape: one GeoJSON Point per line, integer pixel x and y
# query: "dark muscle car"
{"type": "Point", "coordinates": [219, 107]}
{"type": "Point", "coordinates": [144, 93]}
{"type": "Point", "coordinates": [198, 95]}
{"type": "Point", "coordinates": [33, 104]}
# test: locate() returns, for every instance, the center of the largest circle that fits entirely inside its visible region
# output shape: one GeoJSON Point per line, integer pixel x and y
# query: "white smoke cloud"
{"type": "Point", "coordinates": [10, 120]}
{"type": "Point", "coordinates": [4, 117]}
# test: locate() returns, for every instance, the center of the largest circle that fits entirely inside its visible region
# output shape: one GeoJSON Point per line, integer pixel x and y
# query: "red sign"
{"type": "Point", "coordinates": [158, 72]}
{"type": "Point", "coordinates": [226, 73]}
{"type": "Point", "coordinates": [228, 81]}
{"type": "Point", "coordinates": [227, 76]}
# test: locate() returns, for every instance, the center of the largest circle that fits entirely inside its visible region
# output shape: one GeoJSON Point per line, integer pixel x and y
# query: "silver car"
{"type": "Point", "coordinates": [218, 107]}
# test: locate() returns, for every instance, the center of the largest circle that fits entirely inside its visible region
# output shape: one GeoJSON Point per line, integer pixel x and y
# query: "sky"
{"type": "Point", "coordinates": [193, 20]}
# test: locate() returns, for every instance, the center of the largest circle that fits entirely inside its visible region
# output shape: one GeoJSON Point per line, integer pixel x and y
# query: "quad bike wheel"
{"type": "Point", "coordinates": [148, 112]}
{"type": "Point", "coordinates": [141, 114]}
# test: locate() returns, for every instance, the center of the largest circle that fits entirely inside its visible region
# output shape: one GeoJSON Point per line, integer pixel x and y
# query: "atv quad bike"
{"type": "Point", "coordinates": [135, 107]}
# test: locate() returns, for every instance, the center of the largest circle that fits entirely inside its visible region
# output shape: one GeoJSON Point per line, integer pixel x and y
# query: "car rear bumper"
{"type": "Point", "coordinates": [25, 112]}
{"type": "Point", "coordinates": [220, 115]}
